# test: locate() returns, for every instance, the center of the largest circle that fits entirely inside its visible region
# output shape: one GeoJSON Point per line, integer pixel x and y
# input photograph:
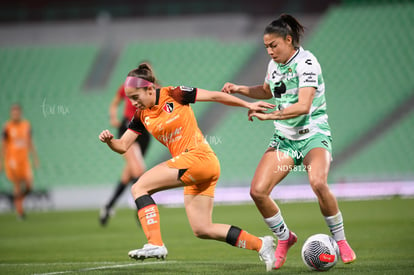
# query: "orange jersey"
{"type": "Point", "coordinates": [16, 136]}
{"type": "Point", "coordinates": [172, 122]}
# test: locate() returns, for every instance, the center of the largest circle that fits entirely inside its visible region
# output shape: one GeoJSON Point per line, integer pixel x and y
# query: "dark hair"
{"type": "Point", "coordinates": [143, 71]}
{"type": "Point", "coordinates": [286, 25]}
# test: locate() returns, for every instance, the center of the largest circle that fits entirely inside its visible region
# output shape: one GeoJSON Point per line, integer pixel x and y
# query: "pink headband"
{"type": "Point", "coordinates": [136, 82]}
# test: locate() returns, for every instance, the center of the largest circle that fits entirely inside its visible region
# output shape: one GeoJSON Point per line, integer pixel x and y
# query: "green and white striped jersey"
{"type": "Point", "coordinates": [302, 70]}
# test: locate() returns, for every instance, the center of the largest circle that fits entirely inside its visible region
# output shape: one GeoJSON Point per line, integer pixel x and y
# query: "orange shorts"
{"type": "Point", "coordinates": [18, 171]}
{"type": "Point", "coordinates": [201, 174]}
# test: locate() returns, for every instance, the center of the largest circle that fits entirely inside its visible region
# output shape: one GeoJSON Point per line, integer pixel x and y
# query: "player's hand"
{"type": "Point", "coordinates": [258, 114]}
{"type": "Point", "coordinates": [230, 88]}
{"type": "Point", "coordinates": [106, 136]}
{"type": "Point", "coordinates": [260, 106]}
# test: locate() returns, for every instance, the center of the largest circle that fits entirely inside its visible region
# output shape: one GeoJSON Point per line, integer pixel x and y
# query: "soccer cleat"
{"type": "Point", "coordinates": [267, 252]}
{"type": "Point", "coordinates": [346, 252]}
{"type": "Point", "coordinates": [282, 249]}
{"type": "Point", "coordinates": [105, 214]}
{"type": "Point", "coordinates": [149, 251]}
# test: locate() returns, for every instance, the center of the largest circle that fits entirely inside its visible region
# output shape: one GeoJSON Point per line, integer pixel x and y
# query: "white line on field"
{"type": "Point", "coordinates": [105, 267]}
{"type": "Point", "coordinates": [55, 263]}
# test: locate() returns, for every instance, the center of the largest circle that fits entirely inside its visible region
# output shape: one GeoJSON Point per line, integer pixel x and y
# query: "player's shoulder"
{"type": "Point", "coordinates": [164, 93]}
{"type": "Point", "coordinates": [6, 127]}
{"type": "Point", "coordinates": [271, 66]}
{"type": "Point", "coordinates": [183, 94]}
{"type": "Point", "coordinates": [26, 123]}
{"type": "Point", "coordinates": [306, 60]}
{"type": "Point", "coordinates": [5, 124]}
{"type": "Point", "coordinates": [306, 57]}
{"type": "Point", "coordinates": [167, 94]}
{"type": "Point", "coordinates": [181, 89]}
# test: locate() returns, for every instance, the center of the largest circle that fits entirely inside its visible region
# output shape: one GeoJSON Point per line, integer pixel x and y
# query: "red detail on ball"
{"type": "Point", "coordinates": [327, 258]}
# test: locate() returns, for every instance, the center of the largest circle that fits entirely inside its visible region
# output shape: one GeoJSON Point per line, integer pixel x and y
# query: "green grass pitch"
{"type": "Point", "coordinates": [62, 242]}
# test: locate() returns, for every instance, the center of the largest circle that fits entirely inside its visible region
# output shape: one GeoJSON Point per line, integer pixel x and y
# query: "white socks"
{"type": "Point", "coordinates": [336, 226]}
{"type": "Point", "coordinates": [278, 226]}
{"type": "Point", "coordinates": [280, 229]}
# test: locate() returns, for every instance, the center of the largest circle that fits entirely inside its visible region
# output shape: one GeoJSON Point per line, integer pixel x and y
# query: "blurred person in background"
{"type": "Point", "coordinates": [168, 116]}
{"type": "Point", "coordinates": [134, 157]}
{"type": "Point", "coordinates": [302, 133]}
{"type": "Point", "coordinates": [16, 148]}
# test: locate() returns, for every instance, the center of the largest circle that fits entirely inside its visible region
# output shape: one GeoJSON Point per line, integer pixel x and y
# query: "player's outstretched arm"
{"type": "Point", "coordinates": [256, 92]}
{"type": "Point", "coordinates": [302, 107]}
{"type": "Point", "coordinates": [226, 99]}
{"type": "Point", "coordinates": [118, 145]}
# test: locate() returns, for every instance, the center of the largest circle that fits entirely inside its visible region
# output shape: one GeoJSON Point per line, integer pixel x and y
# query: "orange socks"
{"type": "Point", "coordinates": [150, 219]}
{"type": "Point", "coordinates": [242, 239]}
{"type": "Point", "coordinates": [249, 241]}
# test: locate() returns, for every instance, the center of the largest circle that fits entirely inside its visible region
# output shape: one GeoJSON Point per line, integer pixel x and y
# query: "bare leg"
{"type": "Point", "coordinates": [199, 212]}
{"type": "Point", "coordinates": [318, 162]}
{"type": "Point", "coordinates": [273, 168]}
{"type": "Point", "coordinates": [18, 198]}
{"type": "Point", "coordinates": [160, 177]}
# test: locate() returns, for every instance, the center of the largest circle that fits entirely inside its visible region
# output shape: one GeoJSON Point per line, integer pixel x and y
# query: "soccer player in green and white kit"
{"type": "Point", "coordinates": [302, 133]}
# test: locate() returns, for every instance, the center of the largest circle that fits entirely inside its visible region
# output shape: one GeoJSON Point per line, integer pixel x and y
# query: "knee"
{"type": "Point", "coordinates": [257, 193]}
{"type": "Point", "coordinates": [202, 233]}
{"type": "Point", "coordinates": [136, 190]}
{"type": "Point", "coordinates": [139, 189]}
{"type": "Point", "coordinates": [319, 184]}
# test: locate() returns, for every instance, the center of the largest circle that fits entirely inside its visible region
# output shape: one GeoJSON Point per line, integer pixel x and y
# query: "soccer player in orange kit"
{"type": "Point", "coordinates": [16, 147]}
{"type": "Point", "coordinates": [167, 115]}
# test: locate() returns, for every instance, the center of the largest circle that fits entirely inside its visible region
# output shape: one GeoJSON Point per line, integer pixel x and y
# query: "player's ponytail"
{"type": "Point", "coordinates": [286, 25]}
{"type": "Point", "coordinates": [143, 71]}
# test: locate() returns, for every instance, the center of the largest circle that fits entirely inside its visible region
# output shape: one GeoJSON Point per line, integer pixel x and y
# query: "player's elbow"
{"type": "Point", "coordinates": [119, 147]}
{"type": "Point", "coordinates": [121, 151]}
{"type": "Point", "coordinates": [118, 150]}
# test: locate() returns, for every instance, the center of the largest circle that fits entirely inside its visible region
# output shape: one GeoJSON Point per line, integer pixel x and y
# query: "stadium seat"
{"type": "Point", "coordinates": [48, 82]}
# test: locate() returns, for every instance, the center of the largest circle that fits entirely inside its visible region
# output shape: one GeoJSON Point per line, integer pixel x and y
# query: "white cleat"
{"type": "Point", "coordinates": [267, 252]}
{"type": "Point", "coordinates": [149, 251]}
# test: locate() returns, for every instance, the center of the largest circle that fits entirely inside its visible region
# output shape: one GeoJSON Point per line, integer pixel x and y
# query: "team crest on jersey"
{"type": "Point", "coordinates": [168, 107]}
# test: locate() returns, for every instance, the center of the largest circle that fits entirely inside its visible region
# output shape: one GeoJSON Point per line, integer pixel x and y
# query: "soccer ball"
{"type": "Point", "coordinates": [320, 252]}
